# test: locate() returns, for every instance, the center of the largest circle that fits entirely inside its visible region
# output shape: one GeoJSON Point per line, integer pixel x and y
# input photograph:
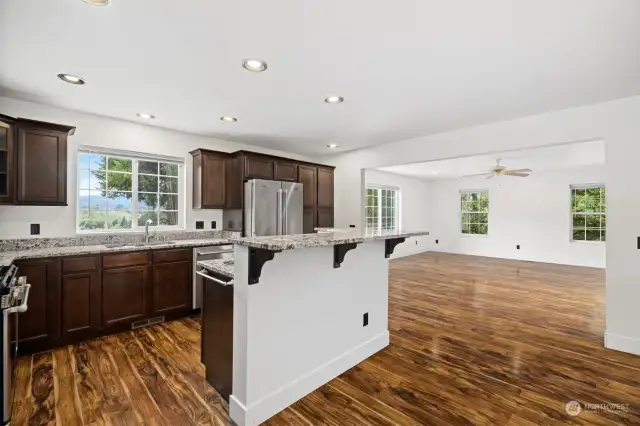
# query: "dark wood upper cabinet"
{"type": "Point", "coordinates": [309, 220]}
{"type": "Point", "coordinates": [7, 131]}
{"type": "Point", "coordinates": [284, 170]}
{"type": "Point", "coordinates": [209, 174]}
{"type": "Point", "coordinates": [258, 167]}
{"type": "Point", "coordinates": [325, 218]}
{"type": "Point", "coordinates": [308, 177]}
{"type": "Point", "coordinates": [39, 326]}
{"type": "Point", "coordinates": [234, 183]}
{"type": "Point", "coordinates": [325, 187]}
{"type": "Point", "coordinates": [41, 163]}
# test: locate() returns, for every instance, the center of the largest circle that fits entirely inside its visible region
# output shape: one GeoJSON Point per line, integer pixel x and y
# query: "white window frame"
{"type": "Point", "coordinates": [396, 206]}
{"type": "Point", "coordinates": [473, 191]}
{"type": "Point", "coordinates": [572, 213]}
{"type": "Point", "coordinates": [135, 157]}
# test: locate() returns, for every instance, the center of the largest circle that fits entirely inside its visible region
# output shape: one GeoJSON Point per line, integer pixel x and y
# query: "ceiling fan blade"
{"type": "Point", "coordinates": [511, 173]}
{"type": "Point", "coordinates": [520, 170]}
{"type": "Point", "coordinates": [479, 174]}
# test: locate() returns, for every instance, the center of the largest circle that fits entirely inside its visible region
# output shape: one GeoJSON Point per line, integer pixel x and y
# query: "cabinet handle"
{"type": "Point", "coordinates": [215, 280]}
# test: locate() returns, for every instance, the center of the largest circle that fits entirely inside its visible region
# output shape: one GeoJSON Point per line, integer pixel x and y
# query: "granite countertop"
{"type": "Point", "coordinates": [219, 266]}
{"type": "Point", "coordinates": [292, 242]}
{"type": "Point", "coordinates": [7, 257]}
{"type": "Point", "coordinates": [325, 230]}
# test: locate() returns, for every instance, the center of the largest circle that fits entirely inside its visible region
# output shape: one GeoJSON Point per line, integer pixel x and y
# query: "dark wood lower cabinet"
{"type": "Point", "coordinates": [78, 298]}
{"type": "Point", "coordinates": [39, 326]}
{"type": "Point", "coordinates": [125, 295]}
{"type": "Point", "coordinates": [81, 305]}
{"type": "Point", "coordinates": [172, 287]}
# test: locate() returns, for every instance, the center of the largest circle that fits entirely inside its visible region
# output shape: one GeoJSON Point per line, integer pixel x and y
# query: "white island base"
{"type": "Point", "coordinates": [302, 324]}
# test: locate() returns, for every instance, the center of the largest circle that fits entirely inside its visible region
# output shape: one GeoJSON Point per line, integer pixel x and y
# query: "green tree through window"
{"type": "Point", "coordinates": [474, 208]}
{"type": "Point", "coordinates": [588, 213]}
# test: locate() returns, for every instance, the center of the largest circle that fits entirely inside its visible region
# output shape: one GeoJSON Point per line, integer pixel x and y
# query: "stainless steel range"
{"type": "Point", "coordinates": [14, 295]}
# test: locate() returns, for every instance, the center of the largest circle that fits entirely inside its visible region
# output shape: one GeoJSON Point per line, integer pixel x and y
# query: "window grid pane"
{"type": "Point", "coordinates": [588, 213]}
{"type": "Point", "coordinates": [474, 213]}
{"type": "Point", "coordinates": [107, 196]}
{"type": "Point", "coordinates": [381, 208]}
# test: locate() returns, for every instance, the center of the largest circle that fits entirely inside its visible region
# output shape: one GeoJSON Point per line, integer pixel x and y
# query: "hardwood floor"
{"type": "Point", "coordinates": [473, 341]}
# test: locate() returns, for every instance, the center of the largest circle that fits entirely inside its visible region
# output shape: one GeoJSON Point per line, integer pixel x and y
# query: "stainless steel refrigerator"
{"type": "Point", "coordinates": [272, 207]}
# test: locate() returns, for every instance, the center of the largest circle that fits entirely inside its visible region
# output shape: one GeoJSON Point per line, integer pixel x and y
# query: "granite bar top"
{"type": "Point", "coordinates": [325, 230]}
{"type": "Point", "coordinates": [218, 266]}
{"type": "Point", "coordinates": [299, 241]}
{"type": "Point", "coordinates": [8, 257]}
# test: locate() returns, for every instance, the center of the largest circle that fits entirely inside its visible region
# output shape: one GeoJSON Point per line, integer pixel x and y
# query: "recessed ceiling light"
{"type": "Point", "coordinates": [228, 119]}
{"type": "Point", "coordinates": [69, 78]}
{"type": "Point", "coordinates": [332, 145]}
{"type": "Point", "coordinates": [255, 65]}
{"type": "Point", "coordinates": [146, 116]}
{"type": "Point", "coordinates": [334, 99]}
{"type": "Point", "coordinates": [97, 2]}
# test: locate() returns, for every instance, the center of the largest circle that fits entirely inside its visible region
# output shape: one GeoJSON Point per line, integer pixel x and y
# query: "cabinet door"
{"type": "Point", "coordinates": [233, 183]}
{"type": "Point", "coordinates": [39, 326]}
{"type": "Point", "coordinates": [6, 159]}
{"type": "Point", "coordinates": [258, 167]}
{"type": "Point", "coordinates": [325, 187]}
{"type": "Point", "coordinates": [309, 222]}
{"type": "Point", "coordinates": [42, 167]}
{"type": "Point", "coordinates": [283, 170]}
{"type": "Point", "coordinates": [172, 285]}
{"type": "Point", "coordinates": [81, 307]}
{"type": "Point", "coordinates": [325, 218]}
{"type": "Point", "coordinates": [213, 181]}
{"type": "Point", "coordinates": [125, 295]}
{"type": "Point", "coordinates": [308, 177]}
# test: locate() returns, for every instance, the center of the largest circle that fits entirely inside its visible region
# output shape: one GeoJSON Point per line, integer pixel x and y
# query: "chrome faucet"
{"type": "Point", "coordinates": [146, 230]}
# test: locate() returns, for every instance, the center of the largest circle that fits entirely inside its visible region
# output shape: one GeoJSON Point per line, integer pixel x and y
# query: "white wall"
{"type": "Point", "coordinates": [110, 133]}
{"type": "Point", "coordinates": [616, 122]}
{"type": "Point", "coordinates": [413, 207]}
{"type": "Point", "coordinates": [534, 213]}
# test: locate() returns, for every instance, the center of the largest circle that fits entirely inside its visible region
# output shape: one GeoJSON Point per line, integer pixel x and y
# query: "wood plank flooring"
{"type": "Point", "coordinates": [473, 341]}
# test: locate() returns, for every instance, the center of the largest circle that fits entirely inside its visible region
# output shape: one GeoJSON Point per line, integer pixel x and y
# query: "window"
{"type": "Point", "coordinates": [381, 207]}
{"type": "Point", "coordinates": [474, 208]}
{"type": "Point", "coordinates": [588, 213]}
{"type": "Point", "coordinates": [121, 191]}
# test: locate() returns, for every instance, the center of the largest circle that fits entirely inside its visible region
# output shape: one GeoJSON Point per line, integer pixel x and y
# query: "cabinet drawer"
{"type": "Point", "coordinates": [173, 255]}
{"type": "Point", "coordinates": [79, 264]}
{"type": "Point", "coordinates": [125, 259]}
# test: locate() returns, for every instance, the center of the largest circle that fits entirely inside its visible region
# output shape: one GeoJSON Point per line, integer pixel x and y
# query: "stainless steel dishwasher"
{"type": "Point", "coordinates": [207, 253]}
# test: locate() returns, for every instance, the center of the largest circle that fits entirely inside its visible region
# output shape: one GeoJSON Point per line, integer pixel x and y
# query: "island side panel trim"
{"type": "Point", "coordinates": [302, 325]}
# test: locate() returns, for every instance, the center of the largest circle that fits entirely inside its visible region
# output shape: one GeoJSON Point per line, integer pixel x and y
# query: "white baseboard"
{"type": "Point", "coordinates": [293, 391]}
{"type": "Point", "coordinates": [622, 343]}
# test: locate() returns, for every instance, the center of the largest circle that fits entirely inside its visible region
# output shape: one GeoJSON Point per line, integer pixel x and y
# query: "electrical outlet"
{"type": "Point", "coordinates": [436, 241]}
{"type": "Point", "coordinates": [200, 224]}
{"type": "Point", "coordinates": [35, 229]}
{"type": "Point", "coordinates": [518, 247]}
{"type": "Point", "coordinates": [352, 226]}
{"type": "Point", "coordinates": [365, 319]}
{"type": "Point", "coordinates": [416, 242]}
{"type": "Point", "coordinates": [213, 224]}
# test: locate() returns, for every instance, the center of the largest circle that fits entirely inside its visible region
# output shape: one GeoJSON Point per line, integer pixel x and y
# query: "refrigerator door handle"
{"type": "Point", "coordinates": [285, 209]}
{"type": "Point", "coordinates": [279, 213]}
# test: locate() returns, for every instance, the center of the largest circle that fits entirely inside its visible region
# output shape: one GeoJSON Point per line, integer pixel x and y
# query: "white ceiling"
{"type": "Point", "coordinates": [406, 68]}
{"type": "Point", "coordinates": [557, 157]}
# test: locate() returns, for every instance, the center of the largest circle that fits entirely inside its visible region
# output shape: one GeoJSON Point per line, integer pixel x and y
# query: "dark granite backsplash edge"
{"type": "Point", "coordinates": [97, 239]}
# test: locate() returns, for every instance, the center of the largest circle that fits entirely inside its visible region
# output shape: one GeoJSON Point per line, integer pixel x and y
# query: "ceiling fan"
{"type": "Point", "coordinates": [499, 170]}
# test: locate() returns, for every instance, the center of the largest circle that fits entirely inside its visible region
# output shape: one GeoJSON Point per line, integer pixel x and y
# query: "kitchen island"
{"type": "Point", "coordinates": [306, 308]}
